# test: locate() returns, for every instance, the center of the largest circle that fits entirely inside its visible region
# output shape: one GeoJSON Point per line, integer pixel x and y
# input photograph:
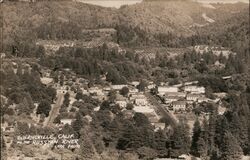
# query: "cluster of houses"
{"type": "Point", "coordinates": [179, 98]}
{"type": "Point", "coordinates": [134, 97]}
{"type": "Point", "coordinates": [101, 36]}
{"type": "Point", "coordinates": [51, 46]}
{"type": "Point", "coordinates": [214, 49]}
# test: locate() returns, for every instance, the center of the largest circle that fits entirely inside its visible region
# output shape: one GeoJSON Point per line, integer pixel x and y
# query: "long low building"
{"type": "Point", "coordinates": [194, 89]}
{"type": "Point", "coordinates": [143, 109]}
{"type": "Point", "coordinates": [164, 89]}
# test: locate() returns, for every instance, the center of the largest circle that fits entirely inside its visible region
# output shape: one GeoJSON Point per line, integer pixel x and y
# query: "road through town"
{"type": "Point", "coordinates": [161, 109]}
{"type": "Point", "coordinates": [55, 110]}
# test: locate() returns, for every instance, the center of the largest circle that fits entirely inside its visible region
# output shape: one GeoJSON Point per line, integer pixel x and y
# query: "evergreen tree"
{"type": "Point", "coordinates": [79, 95]}
{"type": "Point", "coordinates": [221, 128]}
{"type": "Point", "coordinates": [44, 108]}
{"type": "Point", "coordinates": [87, 148]}
{"type": "Point", "coordinates": [78, 123]}
{"type": "Point", "coordinates": [195, 137]}
{"type": "Point", "coordinates": [201, 147]}
{"type": "Point", "coordinates": [124, 91]}
{"type": "Point", "coordinates": [231, 149]}
{"type": "Point", "coordinates": [142, 85]}
{"type": "Point", "coordinates": [211, 133]}
{"type": "Point", "coordinates": [160, 141]}
{"type": "Point", "coordinates": [180, 140]}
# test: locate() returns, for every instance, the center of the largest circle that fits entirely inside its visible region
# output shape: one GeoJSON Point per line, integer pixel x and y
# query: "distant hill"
{"type": "Point", "coordinates": [67, 19]}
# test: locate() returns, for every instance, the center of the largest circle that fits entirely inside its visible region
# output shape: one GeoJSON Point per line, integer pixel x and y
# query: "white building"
{"type": "Point", "coordinates": [118, 87]}
{"type": "Point", "coordinates": [176, 94]}
{"type": "Point", "coordinates": [194, 89]}
{"type": "Point", "coordinates": [135, 83]}
{"type": "Point", "coordinates": [193, 97]}
{"type": "Point", "coordinates": [202, 99]}
{"type": "Point", "coordinates": [163, 89]}
{"type": "Point", "coordinates": [158, 126]}
{"type": "Point", "coordinates": [133, 91]}
{"type": "Point", "coordinates": [143, 109]}
{"type": "Point", "coordinates": [121, 101]}
{"type": "Point", "coordinates": [170, 99]}
{"type": "Point", "coordinates": [67, 121]}
{"type": "Point", "coordinates": [95, 90]}
{"type": "Point", "coordinates": [141, 101]}
{"type": "Point", "coordinates": [179, 105]}
{"type": "Point", "coordinates": [151, 86]}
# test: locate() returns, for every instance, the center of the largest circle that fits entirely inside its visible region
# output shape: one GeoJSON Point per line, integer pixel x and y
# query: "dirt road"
{"type": "Point", "coordinates": [161, 109]}
{"type": "Point", "coordinates": [55, 110]}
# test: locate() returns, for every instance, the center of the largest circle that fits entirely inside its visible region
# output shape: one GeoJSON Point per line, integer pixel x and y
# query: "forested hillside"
{"type": "Point", "coordinates": [100, 82]}
{"type": "Point", "coordinates": [147, 23]}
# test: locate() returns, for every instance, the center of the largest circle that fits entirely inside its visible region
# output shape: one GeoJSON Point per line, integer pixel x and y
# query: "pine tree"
{"type": "Point", "coordinates": [211, 133]}
{"type": "Point", "coordinates": [231, 149]}
{"type": "Point", "coordinates": [201, 147]}
{"type": "Point", "coordinates": [195, 137]}
{"type": "Point", "coordinates": [180, 140]}
{"type": "Point", "coordinates": [238, 128]}
{"type": "Point", "coordinates": [221, 128]}
{"type": "Point", "coordinates": [87, 149]}
{"type": "Point", "coordinates": [160, 143]}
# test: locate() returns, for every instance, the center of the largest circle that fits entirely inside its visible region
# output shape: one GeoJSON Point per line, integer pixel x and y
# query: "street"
{"type": "Point", "coordinates": [54, 110]}
{"type": "Point", "coordinates": [161, 109]}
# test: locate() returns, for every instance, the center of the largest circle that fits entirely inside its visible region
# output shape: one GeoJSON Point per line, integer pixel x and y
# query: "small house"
{"type": "Point", "coordinates": [194, 89]}
{"type": "Point", "coordinates": [133, 91]}
{"type": "Point", "coordinates": [135, 83]}
{"type": "Point", "coordinates": [141, 100]}
{"type": "Point", "coordinates": [65, 121]}
{"type": "Point", "coordinates": [170, 99]}
{"type": "Point", "coordinates": [158, 126]}
{"type": "Point", "coordinates": [121, 101]}
{"type": "Point", "coordinates": [179, 105]}
{"type": "Point", "coordinates": [202, 99]}
{"type": "Point", "coordinates": [193, 97]}
{"type": "Point", "coordinates": [163, 89]}
{"type": "Point", "coordinates": [118, 87]}
{"type": "Point", "coordinates": [143, 109]}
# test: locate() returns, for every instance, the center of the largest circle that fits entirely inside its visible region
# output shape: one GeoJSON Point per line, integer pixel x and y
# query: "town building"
{"type": "Point", "coordinates": [193, 97]}
{"type": "Point", "coordinates": [121, 101]}
{"type": "Point", "coordinates": [163, 89]}
{"type": "Point", "coordinates": [140, 100]}
{"type": "Point", "coordinates": [65, 121]}
{"type": "Point", "coordinates": [143, 109]}
{"type": "Point", "coordinates": [159, 126]}
{"type": "Point", "coordinates": [194, 89]}
{"type": "Point", "coordinates": [118, 87]}
{"type": "Point", "coordinates": [133, 91]}
{"type": "Point", "coordinates": [179, 105]}
{"type": "Point", "coordinates": [135, 83]}
{"type": "Point", "coordinates": [170, 99]}
{"type": "Point", "coordinates": [46, 80]}
{"type": "Point", "coordinates": [176, 94]}
{"type": "Point", "coordinates": [95, 90]}
{"type": "Point", "coordinates": [190, 83]}
{"type": "Point", "coordinates": [202, 99]}
{"type": "Point", "coordinates": [151, 86]}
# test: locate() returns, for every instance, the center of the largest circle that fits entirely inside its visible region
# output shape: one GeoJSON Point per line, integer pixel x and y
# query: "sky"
{"type": "Point", "coordinates": [118, 3]}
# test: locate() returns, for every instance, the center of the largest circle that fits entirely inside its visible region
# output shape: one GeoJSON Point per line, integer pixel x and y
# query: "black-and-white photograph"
{"type": "Point", "coordinates": [125, 79]}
